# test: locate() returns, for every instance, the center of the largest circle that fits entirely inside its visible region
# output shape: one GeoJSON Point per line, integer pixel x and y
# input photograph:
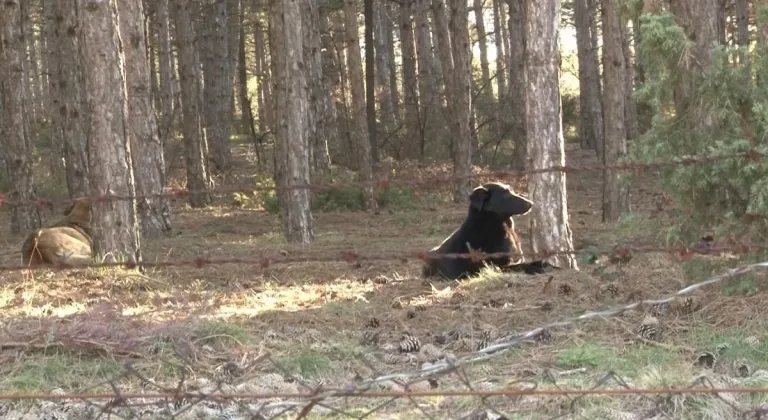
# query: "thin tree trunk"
{"type": "Point", "coordinates": [233, 39]}
{"type": "Point", "coordinates": [287, 42]}
{"type": "Point", "coordinates": [742, 12]}
{"type": "Point", "coordinates": [461, 49]}
{"type": "Point", "coordinates": [261, 77]}
{"type": "Point", "coordinates": [517, 83]}
{"type": "Point", "coordinates": [70, 83]}
{"type": "Point", "coordinates": [167, 84]}
{"type": "Point", "coordinates": [383, 86]}
{"type": "Point", "coordinates": [591, 121]}
{"type": "Point", "coordinates": [147, 149]}
{"type": "Point", "coordinates": [347, 145]}
{"type": "Point", "coordinates": [55, 105]}
{"type": "Point", "coordinates": [426, 80]}
{"type": "Point", "coordinates": [615, 195]}
{"type": "Point", "coordinates": [25, 217]}
{"type": "Point", "coordinates": [28, 61]}
{"type": "Point", "coordinates": [242, 75]}
{"type": "Point", "coordinates": [550, 229]}
{"type": "Point", "coordinates": [630, 107]}
{"type": "Point", "coordinates": [331, 84]}
{"type": "Point", "coordinates": [445, 54]}
{"type": "Point", "coordinates": [114, 223]}
{"type": "Point", "coordinates": [389, 29]}
{"type": "Point", "coordinates": [319, 98]}
{"type": "Point", "coordinates": [217, 83]}
{"type": "Point", "coordinates": [498, 40]}
{"type": "Point", "coordinates": [197, 170]}
{"type": "Point", "coordinates": [370, 81]}
{"type": "Point", "coordinates": [486, 105]}
{"type": "Point", "coordinates": [355, 65]}
{"type": "Point", "coordinates": [410, 81]}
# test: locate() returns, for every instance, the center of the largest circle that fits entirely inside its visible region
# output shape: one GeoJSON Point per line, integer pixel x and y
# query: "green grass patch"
{"type": "Point", "coordinates": [69, 372]}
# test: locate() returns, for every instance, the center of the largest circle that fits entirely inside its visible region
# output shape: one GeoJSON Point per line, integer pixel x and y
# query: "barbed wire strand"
{"type": "Point", "coordinates": [753, 155]}
{"type": "Point", "coordinates": [353, 257]}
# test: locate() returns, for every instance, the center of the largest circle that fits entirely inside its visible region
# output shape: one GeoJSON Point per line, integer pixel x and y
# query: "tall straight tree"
{"type": "Point", "coordinates": [591, 116]}
{"type": "Point", "coordinates": [462, 87]}
{"type": "Point", "coordinates": [292, 155]}
{"type": "Point", "coordinates": [615, 195]}
{"type": "Point", "coordinates": [146, 147]}
{"type": "Point", "coordinates": [191, 127]}
{"type": "Point", "coordinates": [550, 229]}
{"type": "Point", "coordinates": [217, 86]}
{"type": "Point", "coordinates": [162, 22]}
{"type": "Point", "coordinates": [319, 119]}
{"type": "Point", "coordinates": [410, 81]}
{"type": "Point", "coordinates": [67, 74]}
{"type": "Point", "coordinates": [114, 223]}
{"type": "Point", "coordinates": [18, 158]}
{"type": "Point", "coordinates": [355, 65]}
{"type": "Point", "coordinates": [516, 101]}
{"type": "Point", "coordinates": [370, 80]}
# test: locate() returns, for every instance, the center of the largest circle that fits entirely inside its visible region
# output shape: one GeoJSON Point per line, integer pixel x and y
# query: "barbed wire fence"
{"type": "Point", "coordinates": [228, 392]}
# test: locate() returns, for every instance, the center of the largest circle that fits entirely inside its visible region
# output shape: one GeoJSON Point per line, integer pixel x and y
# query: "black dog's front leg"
{"type": "Point", "coordinates": [531, 268]}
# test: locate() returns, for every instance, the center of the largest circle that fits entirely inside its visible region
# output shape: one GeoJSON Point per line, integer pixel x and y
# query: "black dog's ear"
{"type": "Point", "coordinates": [478, 197]}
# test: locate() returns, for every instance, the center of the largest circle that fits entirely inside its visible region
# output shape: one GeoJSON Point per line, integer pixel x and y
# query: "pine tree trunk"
{"type": "Point", "coordinates": [217, 83]}
{"type": "Point", "coordinates": [331, 83]}
{"type": "Point", "coordinates": [461, 49]}
{"type": "Point", "coordinates": [410, 81]}
{"type": "Point", "coordinates": [242, 76]}
{"type": "Point", "coordinates": [383, 85]}
{"type": "Point", "coordinates": [615, 199]}
{"type": "Point", "coordinates": [428, 103]}
{"type": "Point", "coordinates": [485, 106]}
{"type": "Point", "coordinates": [262, 78]}
{"type": "Point", "coordinates": [52, 56]}
{"type": "Point", "coordinates": [355, 68]}
{"type": "Point", "coordinates": [445, 55]}
{"type": "Point", "coordinates": [389, 29]}
{"type": "Point", "coordinates": [498, 40]}
{"type": "Point", "coordinates": [68, 77]}
{"type": "Point", "coordinates": [167, 84]}
{"type": "Point", "coordinates": [319, 98]}
{"type": "Point", "coordinates": [550, 229]}
{"type": "Point", "coordinates": [630, 107]}
{"type": "Point", "coordinates": [146, 148]}
{"type": "Point", "coordinates": [191, 127]}
{"type": "Point", "coordinates": [113, 222]}
{"type": "Point", "coordinates": [370, 82]}
{"type": "Point", "coordinates": [294, 158]}
{"type": "Point", "coordinates": [591, 116]}
{"type": "Point", "coordinates": [25, 216]}
{"type": "Point", "coordinates": [517, 83]}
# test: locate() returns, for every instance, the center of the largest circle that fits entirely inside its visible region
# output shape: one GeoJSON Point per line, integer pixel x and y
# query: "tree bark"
{"type": "Point", "coordinates": [410, 81]}
{"type": "Point", "coordinates": [355, 66]}
{"type": "Point", "coordinates": [591, 116]}
{"type": "Point", "coordinates": [445, 56]}
{"type": "Point", "coordinates": [742, 13]}
{"type": "Point", "coordinates": [382, 24]}
{"type": "Point", "coordinates": [486, 105]}
{"type": "Point", "coordinates": [319, 99]}
{"type": "Point", "coordinates": [428, 102]}
{"type": "Point", "coordinates": [389, 29]}
{"type": "Point", "coordinates": [114, 223]}
{"type": "Point", "coordinates": [370, 81]}
{"type": "Point", "coordinates": [25, 216]}
{"type": "Point", "coordinates": [262, 69]}
{"type": "Point", "coordinates": [630, 107]}
{"type": "Point", "coordinates": [217, 83]}
{"type": "Point", "coordinates": [461, 49]}
{"type": "Point", "coordinates": [517, 84]}
{"type": "Point", "coordinates": [68, 78]}
{"type": "Point", "coordinates": [332, 89]}
{"type": "Point", "coordinates": [167, 84]}
{"type": "Point", "coordinates": [242, 76]}
{"type": "Point", "coordinates": [146, 148]}
{"type": "Point", "coordinates": [615, 196]}
{"type": "Point", "coordinates": [293, 109]}
{"type": "Point", "coordinates": [52, 57]}
{"type": "Point", "coordinates": [501, 67]}
{"type": "Point", "coordinates": [699, 20]}
{"type": "Point", "coordinates": [550, 229]}
{"type": "Point", "coordinates": [197, 170]}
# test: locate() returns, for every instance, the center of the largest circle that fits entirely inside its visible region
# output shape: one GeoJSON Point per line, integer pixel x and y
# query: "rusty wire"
{"type": "Point", "coordinates": [752, 154]}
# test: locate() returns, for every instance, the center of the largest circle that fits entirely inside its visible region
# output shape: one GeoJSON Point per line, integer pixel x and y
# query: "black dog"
{"type": "Point", "coordinates": [488, 228]}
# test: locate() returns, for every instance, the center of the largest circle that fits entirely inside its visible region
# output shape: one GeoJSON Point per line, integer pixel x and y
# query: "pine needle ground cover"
{"type": "Point", "coordinates": [283, 327]}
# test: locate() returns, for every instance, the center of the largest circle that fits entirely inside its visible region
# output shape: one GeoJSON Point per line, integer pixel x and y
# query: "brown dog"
{"type": "Point", "coordinates": [66, 242]}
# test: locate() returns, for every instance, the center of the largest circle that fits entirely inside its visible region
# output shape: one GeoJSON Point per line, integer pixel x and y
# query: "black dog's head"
{"type": "Point", "coordinates": [498, 198]}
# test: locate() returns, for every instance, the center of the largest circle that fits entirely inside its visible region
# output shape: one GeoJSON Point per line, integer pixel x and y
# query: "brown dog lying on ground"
{"type": "Point", "coordinates": [66, 242]}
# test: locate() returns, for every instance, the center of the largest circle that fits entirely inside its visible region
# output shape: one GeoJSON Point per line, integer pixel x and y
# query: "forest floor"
{"type": "Point", "coordinates": [289, 328]}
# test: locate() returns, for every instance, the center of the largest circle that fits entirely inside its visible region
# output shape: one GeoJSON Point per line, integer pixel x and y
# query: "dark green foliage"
{"type": "Point", "coordinates": [724, 191]}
